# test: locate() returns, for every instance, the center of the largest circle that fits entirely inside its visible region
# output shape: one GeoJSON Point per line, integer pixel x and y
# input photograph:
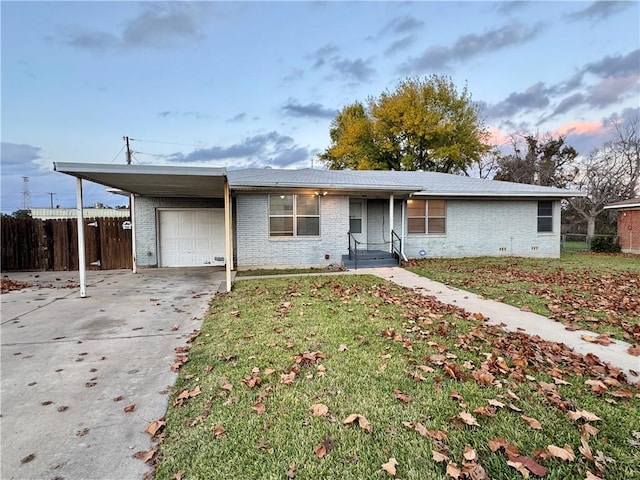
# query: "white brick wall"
{"type": "Point", "coordinates": [255, 249]}
{"type": "Point", "coordinates": [474, 228]}
{"type": "Point", "coordinates": [489, 227]}
{"type": "Point", "coordinates": [146, 222]}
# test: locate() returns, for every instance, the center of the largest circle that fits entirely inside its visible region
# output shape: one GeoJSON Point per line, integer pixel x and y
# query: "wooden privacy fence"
{"type": "Point", "coordinates": [33, 244]}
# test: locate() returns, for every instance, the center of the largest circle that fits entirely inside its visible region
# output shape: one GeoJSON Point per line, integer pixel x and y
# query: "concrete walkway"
{"type": "Point", "coordinates": [513, 319]}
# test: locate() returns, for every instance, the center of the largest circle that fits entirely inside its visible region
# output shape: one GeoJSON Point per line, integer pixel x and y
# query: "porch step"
{"type": "Point", "coordinates": [370, 259]}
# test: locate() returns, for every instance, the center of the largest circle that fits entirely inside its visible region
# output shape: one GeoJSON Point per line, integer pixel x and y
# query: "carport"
{"type": "Point", "coordinates": [151, 181]}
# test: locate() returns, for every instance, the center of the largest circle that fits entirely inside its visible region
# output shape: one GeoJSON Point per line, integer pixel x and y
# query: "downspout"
{"type": "Point", "coordinates": [391, 223]}
{"type": "Point", "coordinates": [227, 234]}
{"type": "Point", "coordinates": [81, 252]}
{"type": "Point", "coordinates": [132, 212]}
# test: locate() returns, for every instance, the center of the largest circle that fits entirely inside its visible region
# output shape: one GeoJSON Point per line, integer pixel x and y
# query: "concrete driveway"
{"type": "Point", "coordinates": [70, 366]}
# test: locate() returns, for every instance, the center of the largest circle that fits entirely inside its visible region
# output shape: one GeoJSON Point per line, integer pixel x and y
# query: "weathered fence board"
{"type": "Point", "coordinates": [32, 244]}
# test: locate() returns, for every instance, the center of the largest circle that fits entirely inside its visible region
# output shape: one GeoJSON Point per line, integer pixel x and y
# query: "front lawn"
{"type": "Point", "coordinates": [598, 292]}
{"type": "Point", "coordinates": [334, 377]}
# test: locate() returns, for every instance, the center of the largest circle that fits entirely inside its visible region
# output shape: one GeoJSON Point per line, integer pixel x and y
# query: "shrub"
{"type": "Point", "coordinates": [605, 244]}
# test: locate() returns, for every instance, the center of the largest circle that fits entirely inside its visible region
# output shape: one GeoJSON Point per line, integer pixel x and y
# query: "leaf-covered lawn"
{"type": "Point", "coordinates": [349, 377]}
{"type": "Point", "coordinates": [597, 292]}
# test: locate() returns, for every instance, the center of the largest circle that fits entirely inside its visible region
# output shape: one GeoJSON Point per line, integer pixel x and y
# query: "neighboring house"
{"type": "Point", "coordinates": [628, 224]}
{"type": "Point", "coordinates": [63, 213]}
{"type": "Point", "coordinates": [259, 218]}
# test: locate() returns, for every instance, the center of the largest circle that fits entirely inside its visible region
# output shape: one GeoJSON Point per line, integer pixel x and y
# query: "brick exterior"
{"type": "Point", "coordinates": [489, 227]}
{"type": "Point", "coordinates": [473, 228]}
{"type": "Point", "coordinates": [146, 222]}
{"type": "Point", "coordinates": [629, 230]}
{"type": "Point", "coordinates": [254, 248]}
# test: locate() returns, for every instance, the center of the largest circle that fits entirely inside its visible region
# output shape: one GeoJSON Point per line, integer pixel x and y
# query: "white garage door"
{"type": "Point", "coordinates": [190, 238]}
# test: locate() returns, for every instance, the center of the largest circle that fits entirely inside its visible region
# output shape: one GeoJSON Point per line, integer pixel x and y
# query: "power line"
{"type": "Point", "coordinates": [166, 143]}
{"type": "Point", "coordinates": [116, 156]}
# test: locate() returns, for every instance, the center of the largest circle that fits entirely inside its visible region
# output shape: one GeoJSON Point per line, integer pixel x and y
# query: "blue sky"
{"type": "Point", "coordinates": [241, 84]}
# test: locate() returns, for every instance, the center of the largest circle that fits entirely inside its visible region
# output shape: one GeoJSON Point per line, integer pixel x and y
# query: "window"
{"type": "Point", "coordinates": [426, 216]}
{"type": "Point", "coordinates": [545, 216]}
{"type": "Point", "coordinates": [294, 215]}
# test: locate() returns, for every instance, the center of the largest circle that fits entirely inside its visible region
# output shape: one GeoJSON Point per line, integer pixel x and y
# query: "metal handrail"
{"type": "Point", "coordinates": [354, 249]}
{"type": "Point", "coordinates": [396, 250]}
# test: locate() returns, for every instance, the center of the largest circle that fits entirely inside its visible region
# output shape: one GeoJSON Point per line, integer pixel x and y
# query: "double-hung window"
{"type": "Point", "coordinates": [294, 215]}
{"type": "Point", "coordinates": [426, 216]}
{"type": "Point", "coordinates": [545, 216]}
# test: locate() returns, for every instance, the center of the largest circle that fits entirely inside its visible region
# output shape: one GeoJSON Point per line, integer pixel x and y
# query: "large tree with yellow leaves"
{"type": "Point", "coordinates": [425, 124]}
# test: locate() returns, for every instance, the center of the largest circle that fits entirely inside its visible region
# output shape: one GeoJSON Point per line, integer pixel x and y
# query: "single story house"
{"type": "Point", "coordinates": [276, 218]}
{"type": "Point", "coordinates": [628, 224]}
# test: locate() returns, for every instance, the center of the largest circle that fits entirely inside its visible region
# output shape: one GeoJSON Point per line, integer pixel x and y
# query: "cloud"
{"type": "Point", "coordinates": [327, 57]}
{"type": "Point", "coordinates": [511, 6]}
{"type": "Point", "coordinates": [600, 10]}
{"type": "Point", "coordinates": [271, 149]}
{"type": "Point", "coordinates": [18, 156]}
{"type": "Point", "coordinates": [238, 118]}
{"type": "Point", "coordinates": [358, 70]}
{"type": "Point", "coordinates": [402, 25]}
{"type": "Point", "coordinates": [534, 97]}
{"type": "Point", "coordinates": [400, 45]}
{"type": "Point", "coordinates": [160, 25]}
{"type": "Point", "coordinates": [178, 113]}
{"type": "Point", "coordinates": [610, 90]}
{"type": "Point", "coordinates": [569, 103]}
{"type": "Point", "coordinates": [619, 65]}
{"type": "Point", "coordinates": [311, 110]}
{"type": "Point", "coordinates": [468, 46]}
{"type": "Point", "coordinates": [324, 55]}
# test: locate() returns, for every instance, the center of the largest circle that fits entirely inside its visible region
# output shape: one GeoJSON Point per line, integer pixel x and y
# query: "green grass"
{"type": "Point", "coordinates": [389, 332]}
{"type": "Point", "coordinates": [598, 292]}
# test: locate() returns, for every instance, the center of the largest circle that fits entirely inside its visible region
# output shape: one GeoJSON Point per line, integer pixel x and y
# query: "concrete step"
{"type": "Point", "coordinates": [370, 259]}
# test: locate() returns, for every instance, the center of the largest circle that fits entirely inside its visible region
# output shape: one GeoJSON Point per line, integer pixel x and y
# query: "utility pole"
{"type": "Point", "coordinates": [51, 194]}
{"type": "Point", "coordinates": [126, 139]}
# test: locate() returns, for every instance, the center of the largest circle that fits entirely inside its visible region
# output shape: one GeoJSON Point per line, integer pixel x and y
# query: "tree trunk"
{"type": "Point", "coordinates": [591, 226]}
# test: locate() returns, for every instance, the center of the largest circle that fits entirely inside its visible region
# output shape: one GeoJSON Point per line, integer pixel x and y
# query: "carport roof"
{"type": "Point", "coordinates": [151, 180]}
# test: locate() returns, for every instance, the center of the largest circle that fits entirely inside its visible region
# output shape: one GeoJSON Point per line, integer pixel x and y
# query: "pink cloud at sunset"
{"type": "Point", "coordinates": [578, 127]}
{"type": "Point", "coordinates": [498, 137]}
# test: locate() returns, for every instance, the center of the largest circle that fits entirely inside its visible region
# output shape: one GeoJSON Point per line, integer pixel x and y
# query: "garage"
{"type": "Point", "coordinates": [191, 237]}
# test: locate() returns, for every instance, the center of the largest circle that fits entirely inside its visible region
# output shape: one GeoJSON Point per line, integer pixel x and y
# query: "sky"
{"type": "Point", "coordinates": [257, 84]}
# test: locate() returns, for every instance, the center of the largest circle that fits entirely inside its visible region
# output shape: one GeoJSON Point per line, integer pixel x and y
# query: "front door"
{"type": "Point", "coordinates": [358, 221]}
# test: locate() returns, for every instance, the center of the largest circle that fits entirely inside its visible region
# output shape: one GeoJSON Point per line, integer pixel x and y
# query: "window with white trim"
{"type": "Point", "coordinates": [426, 216]}
{"type": "Point", "coordinates": [545, 216]}
{"type": "Point", "coordinates": [294, 215]}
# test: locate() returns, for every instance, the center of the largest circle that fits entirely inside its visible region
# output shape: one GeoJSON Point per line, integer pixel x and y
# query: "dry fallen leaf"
{"type": "Point", "coordinates": [319, 409]}
{"type": "Point", "coordinates": [468, 419]}
{"type": "Point", "coordinates": [218, 431]}
{"type": "Point", "coordinates": [154, 427]}
{"type": "Point", "coordinates": [532, 422]}
{"type": "Point", "coordinates": [469, 453]}
{"type": "Point", "coordinates": [320, 451]}
{"type": "Point", "coordinates": [439, 457]}
{"type": "Point", "coordinates": [403, 397]}
{"type": "Point", "coordinates": [259, 408]}
{"type": "Point", "coordinates": [361, 420]}
{"type": "Point", "coordinates": [129, 408]}
{"type": "Point", "coordinates": [390, 466]}
{"type": "Point", "coordinates": [634, 350]}
{"type": "Point", "coordinates": [519, 467]}
{"type": "Point", "coordinates": [291, 473]}
{"type": "Point", "coordinates": [565, 453]}
{"type": "Point", "coordinates": [453, 471]}
{"type": "Point", "coordinates": [28, 458]}
{"type": "Point", "coordinates": [583, 414]}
